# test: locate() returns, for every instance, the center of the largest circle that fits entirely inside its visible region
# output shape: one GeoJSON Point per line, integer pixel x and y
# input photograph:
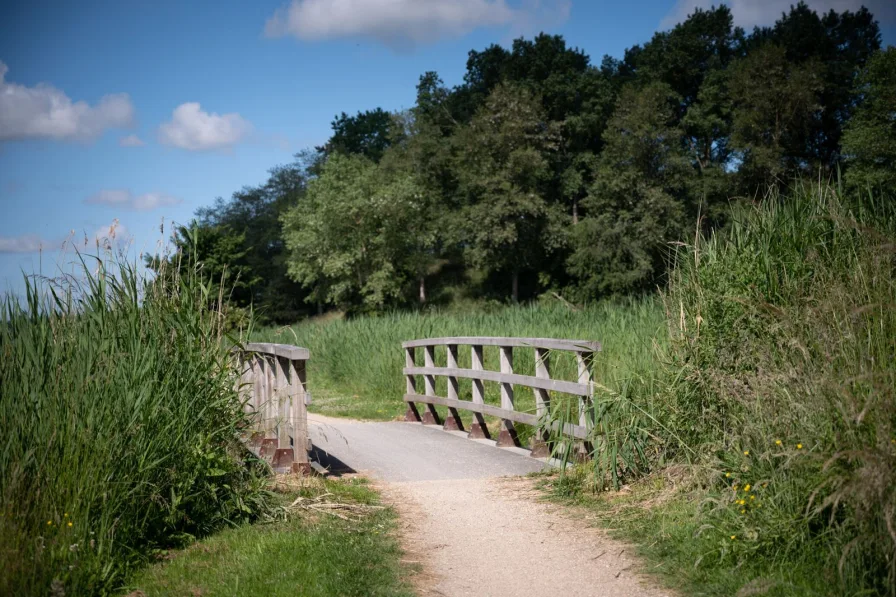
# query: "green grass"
{"type": "Point", "coordinates": [355, 367]}
{"type": "Point", "coordinates": [309, 554]}
{"type": "Point", "coordinates": [119, 428]}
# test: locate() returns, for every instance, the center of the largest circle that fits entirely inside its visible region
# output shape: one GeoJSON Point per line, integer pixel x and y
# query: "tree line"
{"type": "Point", "coordinates": [543, 172]}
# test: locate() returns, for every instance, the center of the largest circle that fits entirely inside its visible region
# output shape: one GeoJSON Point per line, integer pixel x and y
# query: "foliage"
{"type": "Point", "coordinates": [639, 200]}
{"type": "Point", "coordinates": [507, 223]}
{"type": "Point", "coordinates": [119, 427]}
{"type": "Point", "coordinates": [348, 238]}
{"type": "Point", "coordinates": [869, 141]}
{"type": "Point", "coordinates": [775, 102]}
{"type": "Point", "coordinates": [542, 172]}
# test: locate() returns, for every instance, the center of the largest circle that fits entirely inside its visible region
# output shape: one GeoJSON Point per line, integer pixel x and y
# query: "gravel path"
{"type": "Point", "coordinates": [473, 524]}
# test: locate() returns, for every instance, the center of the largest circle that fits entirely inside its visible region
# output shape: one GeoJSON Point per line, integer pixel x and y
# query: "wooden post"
{"type": "Point", "coordinates": [508, 436]}
{"type": "Point", "coordinates": [411, 387]}
{"type": "Point", "coordinates": [301, 443]}
{"type": "Point", "coordinates": [254, 400]}
{"type": "Point", "coordinates": [478, 429]}
{"type": "Point", "coordinates": [281, 401]}
{"type": "Point", "coordinates": [431, 416]}
{"type": "Point", "coordinates": [453, 422]}
{"type": "Point", "coordinates": [540, 447]}
{"type": "Point", "coordinates": [586, 403]}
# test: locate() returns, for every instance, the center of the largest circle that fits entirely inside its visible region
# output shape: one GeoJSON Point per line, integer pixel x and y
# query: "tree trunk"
{"type": "Point", "coordinates": [515, 293]}
{"type": "Point", "coordinates": [575, 212]}
{"type": "Point", "coordinates": [422, 290]}
{"type": "Point", "coordinates": [320, 308]}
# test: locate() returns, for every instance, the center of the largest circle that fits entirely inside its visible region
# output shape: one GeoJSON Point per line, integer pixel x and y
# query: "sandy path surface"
{"type": "Point", "coordinates": [472, 523]}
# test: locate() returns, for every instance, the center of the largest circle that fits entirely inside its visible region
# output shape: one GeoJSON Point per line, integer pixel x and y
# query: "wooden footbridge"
{"type": "Point", "coordinates": [274, 384]}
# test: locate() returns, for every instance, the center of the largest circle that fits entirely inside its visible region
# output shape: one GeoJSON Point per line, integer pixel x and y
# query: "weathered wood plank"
{"type": "Point", "coordinates": [576, 431]}
{"type": "Point", "coordinates": [554, 385]}
{"type": "Point", "coordinates": [548, 343]}
{"type": "Point", "coordinates": [479, 429]}
{"type": "Point", "coordinates": [293, 353]}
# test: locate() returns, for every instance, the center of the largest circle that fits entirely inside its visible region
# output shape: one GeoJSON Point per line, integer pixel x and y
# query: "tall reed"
{"type": "Point", "coordinates": [119, 427]}
{"type": "Point", "coordinates": [784, 346]}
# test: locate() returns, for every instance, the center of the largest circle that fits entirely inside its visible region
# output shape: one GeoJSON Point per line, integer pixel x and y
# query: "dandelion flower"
{"type": "Point", "coordinates": [734, 487]}
{"type": "Point", "coordinates": [752, 497]}
{"type": "Point", "coordinates": [733, 537]}
{"type": "Point", "coordinates": [746, 452]}
{"type": "Point", "coordinates": [743, 511]}
{"type": "Point", "coordinates": [747, 487]}
{"type": "Point", "coordinates": [799, 446]}
{"type": "Point", "coordinates": [65, 515]}
{"type": "Point", "coordinates": [49, 523]}
{"type": "Point", "coordinates": [69, 523]}
{"type": "Point", "coordinates": [778, 442]}
{"type": "Point", "coordinates": [727, 475]}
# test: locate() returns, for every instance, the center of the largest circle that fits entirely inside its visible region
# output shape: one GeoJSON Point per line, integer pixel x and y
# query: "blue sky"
{"type": "Point", "coordinates": [137, 112]}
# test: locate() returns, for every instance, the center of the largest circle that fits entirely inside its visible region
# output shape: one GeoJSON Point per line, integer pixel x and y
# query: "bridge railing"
{"type": "Point", "coordinates": [541, 384]}
{"type": "Point", "coordinates": [274, 386]}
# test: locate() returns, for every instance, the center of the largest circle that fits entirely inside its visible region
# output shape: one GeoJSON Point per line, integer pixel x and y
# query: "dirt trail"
{"type": "Point", "coordinates": [473, 529]}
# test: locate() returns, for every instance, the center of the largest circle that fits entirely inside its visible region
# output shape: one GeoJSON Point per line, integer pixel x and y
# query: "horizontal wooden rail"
{"type": "Point", "coordinates": [274, 386]}
{"type": "Point", "coordinates": [541, 384]}
{"type": "Point", "coordinates": [494, 411]}
{"type": "Point", "coordinates": [554, 385]}
{"type": "Point", "coordinates": [548, 343]}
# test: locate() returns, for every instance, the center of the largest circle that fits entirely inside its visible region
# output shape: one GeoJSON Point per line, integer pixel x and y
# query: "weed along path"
{"type": "Point", "coordinates": [470, 519]}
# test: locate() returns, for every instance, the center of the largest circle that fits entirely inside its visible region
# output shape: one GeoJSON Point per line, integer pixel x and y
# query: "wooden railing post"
{"type": "Point", "coordinates": [431, 416]}
{"type": "Point", "coordinates": [586, 402]}
{"type": "Point", "coordinates": [540, 447]}
{"type": "Point", "coordinates": [478, 430]}
{"type": "Point", "coordinates": [453, 421]}
{"type": "Point", "coordinates": [412, 414]}
{"type": "Point", "coordinates": [299, 424]}
{"type": "Point", "coordinates": [508, 436]}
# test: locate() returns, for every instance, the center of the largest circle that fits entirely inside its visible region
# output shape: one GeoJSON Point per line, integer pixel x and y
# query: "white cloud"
{"type": "Point", "coordinates": [750, 13]}
{"type": "Point", "coordinates": [131, 141]}
{"type": "Point", "coordinates": [192, 129]}
{"type": "Point", "coordinates": [28, 243]}
{"type": "Point", "coordinates": [402, 23]}
{"type": "Point", "coordinates": [125, 199]}
{"type": "Point", "coordinates": [45, 112]}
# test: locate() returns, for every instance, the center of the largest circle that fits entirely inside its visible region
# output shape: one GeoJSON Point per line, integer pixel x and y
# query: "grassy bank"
{"type": "Point", "coordinates": [778, 408]}
{"type": "Point", "coordinates": [119, 429]}
{"type": "Point", "coordinates": [309, 551]}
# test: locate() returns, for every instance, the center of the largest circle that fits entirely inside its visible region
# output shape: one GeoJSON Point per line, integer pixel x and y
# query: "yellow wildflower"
{"type": "Point", "coordinates": [733, 537]}
{"type": "Point", "coordinates": [734, 487]}
{"type": "Point", "coordinates": [778, 442]}
{"type": "Point", "coordinates": [50, 523]}
{"type": "Point", "coordinates": [727, 475]}
{"type": "Point", "coordinates": [743, 511]}
{"type": "Point", "coordinates": [69, 523]}
{"type": "Point", "coordinates": [65, 515]}
{"type": "Point", "coordinates": [747, 487]}
{"type": "Point", "coordinates": [746, 452]}
{"type": "Point", "coordinates": [799, 446]}
{"type": "Point", "coordinates": [752, 497]}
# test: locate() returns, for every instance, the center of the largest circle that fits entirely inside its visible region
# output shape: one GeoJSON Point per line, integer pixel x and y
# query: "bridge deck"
{"type": "Point", "coordinates": [398, 452]}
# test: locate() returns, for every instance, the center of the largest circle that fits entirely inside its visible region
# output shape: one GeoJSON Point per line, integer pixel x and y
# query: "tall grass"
{"type": "Point", "coordinates": [782, 384]}
{"type": "Point", "coordinates": [118, 428]}
{"type": "Point", "coordinates": [355, 366]}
